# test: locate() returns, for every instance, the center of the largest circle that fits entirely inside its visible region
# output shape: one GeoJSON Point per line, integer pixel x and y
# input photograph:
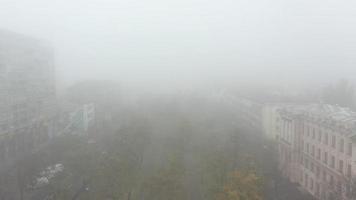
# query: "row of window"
{"type": "Point", "coordinates": [325, 139]}
{"type": "Point", "coordinates": [286, 131]}
{"type": "Point", "coordinates": [315, 187]}
{"type": "Point", "coordinates": [310, 149]}
{"type": "Point", "coordinates": [314, 168]}
{"type": "Point", "coordinates": [309, 184]}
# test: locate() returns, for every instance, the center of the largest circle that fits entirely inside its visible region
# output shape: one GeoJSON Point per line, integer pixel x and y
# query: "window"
{"type": "Point", "coordinates": [313, 133]}
{"type": "Point", "coordinates": [324, 176]}
{"type": "Point", "coordinates": [319, 138]}
{"type": "Point", "coordinates": [341, 145]}
{"type": "Point", "coordinates": [306, 180]}
{"type": "Point", "coordinates": [307, 147]}
{"type": "Point", "coordinates": [349, 149]}
{"type": "Point", "coordinates": [332, 164]}
{"type": "Point", "coordinates": [326, 157]}
{"type": "Point", "coordinates": [306, 162]}
{"type": "Point", "coordinates": [313, 151]}
{"type": "Point", "coordinates": [305, 129]}
{"type": "Point", "coordinates": [349, 189]}
{"type": "Point", "coordinates": [301, 159]}
{"type": "Point", "coordinates": [319, 154]}
{"type": "Point", "coordinates": [341, 166]}
{"type": "Point", "coordinates": [311, 184]}
{"type": "Point", "coordinates": [317, 171]}
{"type": "Point", "coordinates": [331, 180]}
{"type": "Point", "coordinates": [326, 139]}
{"type": "Point", "coordinates": [312, 167]}
{"type": "Point", "coordinates": [288, 133]}
{"type": "Point", "coordinates": [333, 141]}
{"type": "Point", "coordinates": [301, 177]}
{"type": "Point", "coordinates": [349, 170]}
{"type": "Point", "coordinates": [339, 187]}
{"type": "Point", "coordinates": [302, 143]}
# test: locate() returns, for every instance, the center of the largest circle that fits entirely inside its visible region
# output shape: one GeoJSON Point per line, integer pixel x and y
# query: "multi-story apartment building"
{"type": "Point", "coordinates": [27, 94]}
{"type": "Point", "coordinates": [270, 119]}
{"type": "Point", "coordinates": [316, 145]}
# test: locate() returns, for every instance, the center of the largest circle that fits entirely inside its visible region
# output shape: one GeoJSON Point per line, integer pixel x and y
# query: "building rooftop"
{"type": "Point", "coordinates": [332, 115]}
{"type": "Point", "coordinates": [334, 112]}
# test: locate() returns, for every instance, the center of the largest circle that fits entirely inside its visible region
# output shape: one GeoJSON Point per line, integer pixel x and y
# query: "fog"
{"type": "Point", "coordinates": [177, 100]}
{"type": "Point", "coordinates": [192, 42]}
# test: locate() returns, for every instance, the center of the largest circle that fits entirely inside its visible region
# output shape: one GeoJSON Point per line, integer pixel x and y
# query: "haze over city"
{"type": "Point", "coordinates": [177, 100]}
{"type": "Point", "coordinates": [189, 42]}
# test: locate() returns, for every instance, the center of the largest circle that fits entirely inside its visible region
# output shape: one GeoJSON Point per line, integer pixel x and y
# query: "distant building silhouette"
{"type": "Point", "coordinates": [27, 95]}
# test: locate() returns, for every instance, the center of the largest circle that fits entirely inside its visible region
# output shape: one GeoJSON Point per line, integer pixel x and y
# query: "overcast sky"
{"type": "Point", "coordinates": [165, 42]}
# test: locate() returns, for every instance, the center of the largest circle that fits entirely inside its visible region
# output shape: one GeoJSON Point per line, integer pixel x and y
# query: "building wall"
{"type": "Point", "coordinates": [270, 121]}
{"type": "Point", "coordinates": [318, 156]}
{"type": "Point", "coordinates": [27, 94]}
{"type": "Point", "coordinates": [81, 118]}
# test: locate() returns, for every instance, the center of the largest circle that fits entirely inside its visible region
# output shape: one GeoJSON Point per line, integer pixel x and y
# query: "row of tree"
{"type": "Point", "coordinates": [163, 150]}
{"type": "Point", "coordinates": [168, 148]}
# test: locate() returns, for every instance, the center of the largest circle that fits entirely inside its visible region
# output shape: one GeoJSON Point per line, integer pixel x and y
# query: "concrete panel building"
{"type": "Point", "coordinates": [27, 94]}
